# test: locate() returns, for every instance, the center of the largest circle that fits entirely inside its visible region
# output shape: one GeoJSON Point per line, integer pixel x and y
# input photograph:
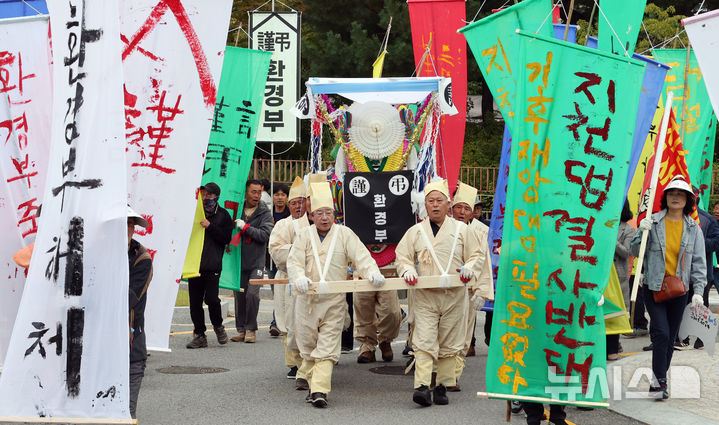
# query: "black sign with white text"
{"type": "Point", "coordinates": [377, 206]}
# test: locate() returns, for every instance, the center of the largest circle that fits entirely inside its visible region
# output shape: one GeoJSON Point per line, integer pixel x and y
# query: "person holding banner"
{"type": "Point", "coordinates": [218, 233]}
{"type": "Point", "coordinates": [140, 266]}
{"type": "Point", "coordinates": [255, 226]}
{"type": "Point", "coordinates": [434, 247]}
{"type": "Point", "coordinates": [321, 253]}
{"type": "Point", "coordinates": [281, 239]}
{"type": "Point", "coordinates": [675, 250]}
{"type": "Point", "coordinates": [481, 286]}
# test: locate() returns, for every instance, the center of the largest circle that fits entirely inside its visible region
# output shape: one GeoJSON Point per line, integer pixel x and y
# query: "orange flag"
{"type": "Point", "coordinates": [673, 164]}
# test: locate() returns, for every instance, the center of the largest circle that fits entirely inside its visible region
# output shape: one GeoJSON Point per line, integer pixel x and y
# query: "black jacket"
{"type": "Point", "coordinates": [710, 230]}
{"type": "Point", "coordinates": [217, 235]}
{"type": "Point", "coordinates": [255, 237]}
{"type": "Point", "coordinates": [140, 277]}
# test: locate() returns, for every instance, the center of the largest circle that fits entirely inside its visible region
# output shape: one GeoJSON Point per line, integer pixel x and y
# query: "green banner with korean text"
{"type": "Point", "coordinates": [232, 139]}
{"type": "Point", "coordinates": [697, 120]}
{"type": "Point", "coordinates": [574, 121]}
{"type": "Point", "coordinates": [495, 47]}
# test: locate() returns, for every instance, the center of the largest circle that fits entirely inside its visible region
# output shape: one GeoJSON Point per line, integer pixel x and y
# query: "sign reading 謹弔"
{"type": "Point", "coordinates": [377, 206]}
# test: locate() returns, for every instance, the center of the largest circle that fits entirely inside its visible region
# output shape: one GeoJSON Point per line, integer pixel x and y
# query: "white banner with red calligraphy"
{"type": "Point", "coordinates": [172, 58]}
{"type": "Point", "coordinates": [25, 108]}
{"type": "Point", "coordinates": [69, 352]}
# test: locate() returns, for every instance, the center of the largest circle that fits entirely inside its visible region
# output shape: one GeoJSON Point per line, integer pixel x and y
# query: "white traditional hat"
{"type": "Point", "coordinates": [464, 194]}
{"type": "Point", "coordinates": [321, 196]}
{"type": "Point", "coordinates": [298, 189]}
{"type": "Point", "coordinates": [439, 185]}
{"type": "Point", "coordinates": [139, 220]}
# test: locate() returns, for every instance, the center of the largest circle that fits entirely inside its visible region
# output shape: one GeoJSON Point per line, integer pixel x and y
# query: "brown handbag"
{"type": "Point", "coordinates": [672, 287]}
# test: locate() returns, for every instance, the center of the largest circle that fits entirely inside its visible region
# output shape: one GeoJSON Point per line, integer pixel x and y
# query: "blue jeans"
{"type": "Point", "coordinates": [665, 319]}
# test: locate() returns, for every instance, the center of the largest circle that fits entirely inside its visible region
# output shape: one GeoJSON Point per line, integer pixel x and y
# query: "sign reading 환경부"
{"type": "Point", "coordinates": [279, 33]}
{"type": "Point", "coordinates": [565, 191]}
{"type": "Point", "coordinates": [25, 108]}
{"type": "Point", "coordinates": [377, 206]}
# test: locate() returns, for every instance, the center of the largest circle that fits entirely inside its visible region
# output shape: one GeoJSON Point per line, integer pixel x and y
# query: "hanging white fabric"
{"type": "Point", "coordinates": [323, 268]}
{"type": "Point", "coordinates": [445, 277]}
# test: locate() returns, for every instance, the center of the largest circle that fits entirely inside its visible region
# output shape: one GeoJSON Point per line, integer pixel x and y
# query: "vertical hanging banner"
{"type": "Point", "coordinates": [232, 139]}
{"type": "Point", "coordinates": [25, 109]}
{"type": "Point", "coordinates": [500, 195]}
{"type": "Point", "coordinates": [619, 34]}
{"type": "Point", "coordinates": [279, 33]}
{"type": "Point", "coordinates": [692, 111]}
{"type": "Point", "coordinates": [702, 30]}
{"type": "Point", "coordinates": [172, 56]}
{"type": "Point", "coordinates": [575, 115]}
{"type": "Point", "coordinates": [496, 48]}
{"type": "Point", "coordinates": [434, 24]}
{"type": "Point", "coordinates": [73, 318]}
{"type": "Point", "coordinates": [636, 186]}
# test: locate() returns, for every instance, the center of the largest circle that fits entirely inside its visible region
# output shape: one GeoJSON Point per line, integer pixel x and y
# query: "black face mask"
{"type": "Point", "coordinates": [210, 204]}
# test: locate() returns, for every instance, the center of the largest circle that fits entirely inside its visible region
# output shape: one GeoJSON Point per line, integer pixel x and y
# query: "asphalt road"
{"type": "Point", "coordinates": [255, 389]}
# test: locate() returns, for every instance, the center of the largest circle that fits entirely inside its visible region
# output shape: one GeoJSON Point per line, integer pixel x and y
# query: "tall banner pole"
{"type": "Point", "coordinates": [652, 193]}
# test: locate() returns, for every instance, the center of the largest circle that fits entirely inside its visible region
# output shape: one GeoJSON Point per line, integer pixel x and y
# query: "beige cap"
{"type": "Point", "coordinates": [321, 196]}
{"type": "Point", "coordinates": [439, 185]}
{"type": "Point", "coordinates": [314, 178]}
{"type": "Point", "coordinates": [297, 190]}
{"type": "Point", "coordinates": [464, 194]}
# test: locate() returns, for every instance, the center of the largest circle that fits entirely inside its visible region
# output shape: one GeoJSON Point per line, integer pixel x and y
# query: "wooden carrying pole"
{"type": "Point", "coordinates": [541, 399]}
{"type": "Point", "coordinates": [364, 285]}
{"type": "Point", "coordinates": [28, 419]}
{"type": "Point", "coordinates": [661, 141]}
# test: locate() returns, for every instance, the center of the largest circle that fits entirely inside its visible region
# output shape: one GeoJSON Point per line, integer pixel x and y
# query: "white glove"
{"type": "Point", "coordinates": [376, 278]}
{"type": "Point", "coordinates": [697, 300]}
{"type": "Point", "coordinates": [302, 284]}
{"type": "Point", "coordinates": [410, 276]}
{"type": "Point", "coordinates": [601, 302]}
{"type": "Point", "coordinates": [240, 223]}
{"type": "Point", "coordinates": [645, 224]}
{"type": "Point", "coordinates": [465, 274]}
{"type": "Point", "coordinates": [478, 301]}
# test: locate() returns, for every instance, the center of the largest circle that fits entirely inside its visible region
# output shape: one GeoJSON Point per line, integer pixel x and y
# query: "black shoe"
{"type": "Point", "coordinates": [681, 345]}
{"type": "Point", "coordinates": [698, 344]}
{"type": "Point", "coordinates": [649, 347]}
{"type": "Point", "coordinates": [221, 335]}
{"type": "Point", "coordinates": [422, 396]}
{"type": "Point", "coordinates": [440, 395]}
{"type": "Point", "coordinates": [301, 384]}
{"type": "Point", "coordinates": [308, 399]}
{"type": "Point", "coordinates": [516, 407]}
{"type": "Point", "coordinates": [406, 350]}
{"type": "Point", "coordinates": [319, 400]}
{"type": "Point", "coordinates": [199, 341]}
{"type": "Point", "coordinates": [292, 373]}
{"type": "Point", "coordinates": [585, 408]}
{"type": "Point", "coordinates": [274, 331]}
{"type": "Point", "coordinates": [346, 350]}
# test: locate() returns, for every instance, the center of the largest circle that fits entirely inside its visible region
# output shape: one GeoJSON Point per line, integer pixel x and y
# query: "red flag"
{"type": "Point", "coordinates": [438, 20]}
{"type": "Point", "coordinates": [673, 164]}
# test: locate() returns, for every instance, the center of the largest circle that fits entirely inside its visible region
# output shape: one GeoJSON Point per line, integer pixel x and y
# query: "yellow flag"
{"type": "Point", "coordinates": [194, 248]}
{"type": "Point", "coordinates": [616, 319]}
{"type": "Point", "coordinates": [377, 65]}
{"type": "Point", "coordinates": [635, 188]}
